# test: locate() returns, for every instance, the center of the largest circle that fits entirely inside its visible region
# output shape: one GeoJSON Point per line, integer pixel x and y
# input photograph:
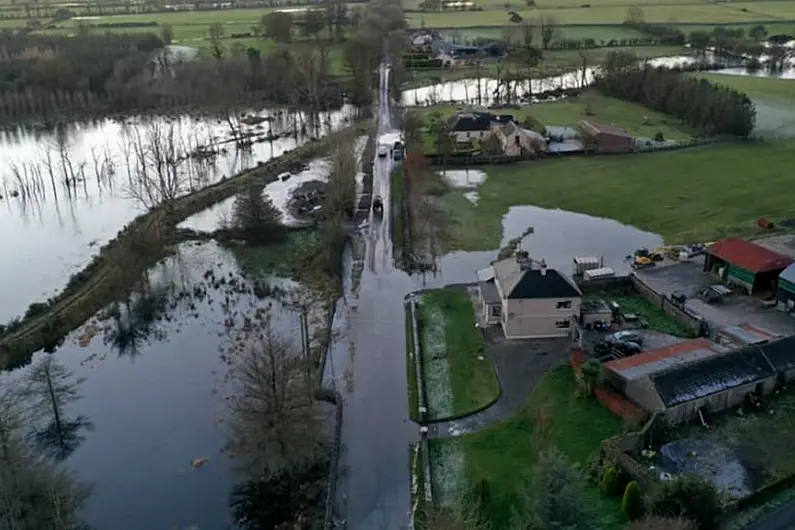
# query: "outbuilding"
{"type": "Point", "coordinates": [786, 287]}
{"type": "Point", "coordinates": [714, 384]}
{"type": "Point", "coordinates": [781, 355]}
{"type": "Point", "coordinates": [604, 138]}
{"type": "Point", "coordinates": [752, 267]}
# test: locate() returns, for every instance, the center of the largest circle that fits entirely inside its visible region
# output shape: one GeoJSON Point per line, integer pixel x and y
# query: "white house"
{"type": "Point", "coordinates": [528, 299]}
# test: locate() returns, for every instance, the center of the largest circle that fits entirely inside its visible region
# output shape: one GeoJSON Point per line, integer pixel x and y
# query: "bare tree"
{"type": "Point", "coordinates": [157, 156]}
{"type": "Point", "coordinates": [275, 427]}
{"type": "Point", "coordinates": [549, 30]}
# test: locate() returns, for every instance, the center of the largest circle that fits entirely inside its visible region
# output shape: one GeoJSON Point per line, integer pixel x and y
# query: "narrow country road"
{"type": "Point", "coordinates": [373, 488]}
{"type": "Point", "coordinates": [782, 518]}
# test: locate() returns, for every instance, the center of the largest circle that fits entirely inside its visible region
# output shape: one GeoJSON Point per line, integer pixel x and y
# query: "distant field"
{"type": "Point", "coordinates": [698, 13]}
{"type": "Point", "coordinates": [762, 88]}
{"type": "Point", "coordinates": [564, 32]}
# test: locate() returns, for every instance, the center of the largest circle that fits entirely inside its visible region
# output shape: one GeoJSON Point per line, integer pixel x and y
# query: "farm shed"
{"type": "Point", "coordinates": [745, 264]}
{"type": "Point", "coordinates": [604, 138]}
{"type": "Point", "coordinates": [714, 384]}
{"type": "Point", "coordinates": [631, 375]}
{"type": "Point", "coordinates": [744, 334]}
{"type": "Point", "coordinates": [781, 355]}
{"type": "Point", "coordinates": [786, 286]}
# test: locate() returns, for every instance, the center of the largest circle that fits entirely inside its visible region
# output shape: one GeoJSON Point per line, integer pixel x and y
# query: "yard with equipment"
{"type": "Point", "coordinates": [459, 375]}
{"type": "Point", "coordinates": [503, 455]}
{"type": "Point", "coordinates": [685, 196]}
{"type": "Point", "coordinates": [634, 303]}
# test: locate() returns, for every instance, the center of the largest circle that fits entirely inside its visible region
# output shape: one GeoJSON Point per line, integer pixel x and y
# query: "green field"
{"type": "Point", "coordinates": [685, 196]}
{"type": "Point", "coordinates": [503, 455]}
{"type": "Point", "coordinates": [459, 375]}
{"type": "Point", "coordinates": [759, 88]}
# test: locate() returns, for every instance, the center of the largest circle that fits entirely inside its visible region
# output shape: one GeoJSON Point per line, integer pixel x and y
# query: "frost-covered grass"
{"type": "Point", "coordinates": [459, 375]}
{"type": "Point", "coordinates": [436, 370]}
{"type": "Point", "coordinates": [411, 368]}
{"type": "Point", "coordinates": [448, 471]}
{"type": "Point", "coordinates": [554, 416]}
{"type": "Point", "coordinates": [417, 486]}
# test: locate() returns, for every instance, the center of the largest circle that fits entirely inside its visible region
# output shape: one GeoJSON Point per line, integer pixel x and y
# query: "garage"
{"type": "Point", "coordinates": [604, 138]}
{"type": "Point", "coordinates": [744, 264]}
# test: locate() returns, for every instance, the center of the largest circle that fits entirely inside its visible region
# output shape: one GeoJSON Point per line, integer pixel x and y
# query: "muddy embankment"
{"type": "Point", "coordinates": [120, 263]}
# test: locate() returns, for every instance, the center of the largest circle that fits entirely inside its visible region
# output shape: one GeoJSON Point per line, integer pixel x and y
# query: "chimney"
{"type": "Point", "coordinates": [523, 259]}
{"type": "Point", "coordinates": [543, 267]}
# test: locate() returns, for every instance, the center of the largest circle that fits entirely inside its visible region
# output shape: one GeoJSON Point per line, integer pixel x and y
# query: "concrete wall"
{"type": "Point", "coordinates": [683, 317]}
{"type": "Point", "coordinates": [537, 318]}
{"type": "Point", "coordinates": [717, 402]}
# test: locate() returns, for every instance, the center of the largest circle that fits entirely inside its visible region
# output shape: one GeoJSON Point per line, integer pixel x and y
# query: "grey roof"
{"type": "Point", "coordinates": [486, 274]}
{"type": "Point", "coordinates": [470, 121]}
{"type": "Point", "coordinates": [788, 274]}
{"type": "Point", "coordinates": [663, 364]}
{"type": "Point", "coordinates": [488, 291]}
{"type": "Point", "coordinates": [715, 374]}
{"type": "Point", "coordinates": [519, 283]}
{"type": "Point", "coordinates": [780, 353]}
{"type": "Point", "coordinates": [749, 334]}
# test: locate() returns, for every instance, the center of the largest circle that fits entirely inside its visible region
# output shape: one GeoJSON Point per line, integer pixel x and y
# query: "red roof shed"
{"type": "Point", "coordinates": [749, 256]}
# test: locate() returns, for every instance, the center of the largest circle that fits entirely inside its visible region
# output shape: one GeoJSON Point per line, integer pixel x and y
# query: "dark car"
{"type": "Point", "coordinates": [625, 336]}
{"type": "Point", "coordinates": [623, 348]}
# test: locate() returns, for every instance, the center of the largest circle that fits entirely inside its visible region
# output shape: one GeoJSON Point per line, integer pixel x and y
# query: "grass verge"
{"type": "Point", "coordinates": [449, 337]}
{"type": "Point", "coordinates": [635, 303]}
{"type": "Point", "coordinates": [554, 416]}
{"type": "Point", "coordinates": [417, 486]}
{"type": "Point", "coordinates": [685, 196]}
{"type": "Point", "coordinates": [398, 228]}
{"type": "Point", "coordinates": [411, 369]}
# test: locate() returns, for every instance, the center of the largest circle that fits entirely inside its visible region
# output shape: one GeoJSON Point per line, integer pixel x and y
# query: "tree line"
{"type": "Point", "coordinates": [713, 109]}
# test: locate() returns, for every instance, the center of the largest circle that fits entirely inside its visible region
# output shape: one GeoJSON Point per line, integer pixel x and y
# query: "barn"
{"type": "Point", "coordinates": [745, 264]}
{"type": "Point", "coordinates": [604, 138]}
{"type": "Point", "coordinates": [781, 355]}
{"type": "Point", "coordinates": [713, 384]}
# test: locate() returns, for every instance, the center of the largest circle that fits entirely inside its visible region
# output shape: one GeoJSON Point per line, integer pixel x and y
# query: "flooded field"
{"type": "Point", "coordinates": [50, 230]}
{"type": "Point", "coordinates": [155, 386]}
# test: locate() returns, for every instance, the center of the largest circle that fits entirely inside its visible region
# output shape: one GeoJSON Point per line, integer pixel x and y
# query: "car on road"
{"type": "Point", "coordinates": [382, 151]}
{"type": "Point", "coordinates": [623, 348]}
{"type": "Point", "coordinates": [625, 336]}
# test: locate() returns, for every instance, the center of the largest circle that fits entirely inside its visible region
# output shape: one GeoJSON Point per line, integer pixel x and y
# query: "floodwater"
{"type": "Point", "coordinates": [468, 179]}
{"type": "Point", "coordinates": [710, 461]}
{"type": "Point", "coordinates": [154, 391]}
{"type": "Point", "coordinates": [559, 236]}
{"type": "Point", "coordinates": [50, 236]}
{"type": "Point", "coordinates": [466, 90]}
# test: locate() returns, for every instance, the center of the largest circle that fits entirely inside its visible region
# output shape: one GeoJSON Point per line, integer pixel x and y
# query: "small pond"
{"type": "Point", "coordinates": [53, 233]}
{"type": "Point", "coordinates": [468, 179]}
{"type": "Point", "coordinates": [155, 370]}
{"type": "Point", "coordinates": [710, 461]}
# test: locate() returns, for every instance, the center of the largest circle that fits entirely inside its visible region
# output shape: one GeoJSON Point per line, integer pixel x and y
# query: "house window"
{"type": "Point", "coordinates": [468, 135]}
{"type": "Point", "coordinates": [562, 324]}
{"type": "Point", "coordinates": [563, 305]}
{"type": "Point", "coordinates": [496, 310]}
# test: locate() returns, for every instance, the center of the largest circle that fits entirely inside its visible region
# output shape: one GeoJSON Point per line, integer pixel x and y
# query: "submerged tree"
{"type": "Point", "coordinates": [255, 218]}
{"type": "Point", "coordinates": [35, 494]}
{"type": "Point", "coordinates": [275, 426]}
{"type": "Point", "coordinates": [51, 388]}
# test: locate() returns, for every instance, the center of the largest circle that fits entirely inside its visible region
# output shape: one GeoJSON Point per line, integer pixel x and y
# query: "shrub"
{"type": "Point", "coordinates": [632, 504]}
{"type": "Point", "coordinates": [692, 498]}
{"type": "Point", "coordinates": [611, 482]}
{"type": "Point", "coordinates": [659, 137]}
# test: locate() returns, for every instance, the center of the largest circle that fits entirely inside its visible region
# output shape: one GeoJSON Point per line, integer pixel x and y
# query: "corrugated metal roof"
{"type": "Point", "coordinates": [748, 255]}
{"type": "Point", "coordinates": [781, 353]}
{"type": "Point", "coordinates": [788, 274]}
{"type": "Point", "coordinates": [486, 274]}
{"type": "Point", "coordinates": [716, 374]}
{"type": "Point", "coordinates": [749, 334]}
{"type": "Point", "coordinates": [660, 359]}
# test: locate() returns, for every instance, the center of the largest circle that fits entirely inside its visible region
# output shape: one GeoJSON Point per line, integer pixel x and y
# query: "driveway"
{"type": "Point", "coordinates": [520, 366]}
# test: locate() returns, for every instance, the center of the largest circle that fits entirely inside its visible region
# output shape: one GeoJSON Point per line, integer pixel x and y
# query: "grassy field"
{"type": "Point", "coordinates": [707, 14]}
{"type": "Point", "coordinates": [459, 375]}
{"type": "Point", "coordinates": [635, 303]}
{"type": "Point", "coordinates": [762, 88]}
{"type": "Point", "coordinates": [605, 32]}
{"type": "Point", "coordinates": [685, 196]}
{"type": "Point", "coordinates": [553, 417]}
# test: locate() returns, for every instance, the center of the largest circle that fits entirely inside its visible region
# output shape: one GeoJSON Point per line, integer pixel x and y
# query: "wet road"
{"type": "Point", "coordinates": [374, 484]}
{"type": "Point", "coordinates": [782, 518]}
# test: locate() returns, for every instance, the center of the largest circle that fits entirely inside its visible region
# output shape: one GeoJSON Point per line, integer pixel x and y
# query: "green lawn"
{"type": "Point", "coordinates": [635, 303]}
{"type": "Point", "coordinates": [554, 416]}
{"type": "Point", "coordinates": [762, 88]}
{"type": "Point", "coordinates": [459, 375]}
{"type": "Point", "coordinates": [707, 14]}
{"type": "Point", "coordinates": [597, 33]}
{"type": "Point", "coordinates": [685, 196]}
